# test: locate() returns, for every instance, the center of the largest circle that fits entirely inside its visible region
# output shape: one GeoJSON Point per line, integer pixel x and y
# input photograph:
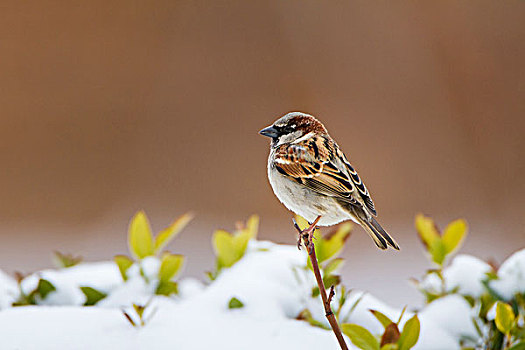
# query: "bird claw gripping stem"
{"type": "Point", "coordinates": [306, 235]}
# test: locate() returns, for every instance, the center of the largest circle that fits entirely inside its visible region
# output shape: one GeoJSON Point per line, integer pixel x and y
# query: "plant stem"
{"type": "Point", "coordinates": [307, 236]}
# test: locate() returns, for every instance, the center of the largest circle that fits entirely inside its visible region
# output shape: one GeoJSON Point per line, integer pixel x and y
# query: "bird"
{"type": "Point", "coordinates": [312, 177]}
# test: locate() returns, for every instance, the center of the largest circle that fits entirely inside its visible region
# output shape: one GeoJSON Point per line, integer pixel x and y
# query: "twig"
{"type": "Point", "coordinates": [331, 294]}
{"type": "Point", "coordinates": [307, 236]}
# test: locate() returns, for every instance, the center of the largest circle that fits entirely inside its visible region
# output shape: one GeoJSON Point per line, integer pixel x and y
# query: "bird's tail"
{"type": "Point", "coordinates": [381, 238]}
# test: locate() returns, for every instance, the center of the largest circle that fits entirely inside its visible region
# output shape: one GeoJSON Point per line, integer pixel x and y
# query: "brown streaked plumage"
{"type": "Point", "coordinates": [312, 177]}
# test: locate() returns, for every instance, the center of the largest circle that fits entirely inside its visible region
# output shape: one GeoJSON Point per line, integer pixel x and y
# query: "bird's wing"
{"type": "Point", "coordinates": [318, 163]}
{"type": "Point", "coordinates": [363, 191]}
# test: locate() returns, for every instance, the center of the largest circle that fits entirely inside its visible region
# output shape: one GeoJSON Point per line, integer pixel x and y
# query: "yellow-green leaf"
{"type": "Point", "coordinates": [167, 288]}
{"type": "Point", "coordinates": [252, 226]}
{"type": "Point", "coordinates": [504, 317]}
{"type": "Point", "coordinates": [302, 222]}
{"type": "Point", "coordinates": [382, 318]}
{"type": "Point", "coordinates": [224, 249]}
{"type": "Point", "coordinates": [166, 235]}
{"type": "Point", "coordinates": [454, 235]}
{"type": "Point", "coordinates": [139, 236]}
{"type": "Point", "coordinates": [44, 288]}
{"type": "Point", "coordinates": [235, 303]}
{"type": "Point", "coordinates": [303, 225]}
{"type": "Point", "coordinates": [410, 334]}
{"type": "Point", "coordinates": [139, 309]}
{"type": "Point", "coordinates": [438, 251]}
{"type": "Point", "coordinates": [360, 336]}
{"type": "Point", "coordinates": [229, 248]}
{"type": "Point", "coordinates": [66, 260]}
{"type": "Point", "coordinates": [519, 346]}
{"type": "Point", "coordinates": [170, 265]}
{"type": "Point", "coordinates": [426, 229]}
{"type": "Point", "coordinates": [93, 296]}
{"type": "Point", "coordinates": [401, 314]}
{"type": "Point", "coordinates": [240, 242]}
{"type": "Point", "coordinates": [331, 245]}
{"type": "Point", "coordinates": [333, 266]}
{"type": "Point", "coordinates": [390, 346]}
{"type": "Point", "coordinates": [123, 263]}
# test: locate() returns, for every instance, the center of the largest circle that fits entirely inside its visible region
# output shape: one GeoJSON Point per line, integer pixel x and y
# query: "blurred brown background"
{"type": "Point", "coordinates": [111, 106]}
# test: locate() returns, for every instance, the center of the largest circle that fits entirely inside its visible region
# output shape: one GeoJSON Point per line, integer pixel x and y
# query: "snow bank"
{"type": "Point", "coordinates": [264, 280]}
{"type": "Point", "coordinates": [103, 276]}
{"type": "Point", "coordinates": [271, 283]}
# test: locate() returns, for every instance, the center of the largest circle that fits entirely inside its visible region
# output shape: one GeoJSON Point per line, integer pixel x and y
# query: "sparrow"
{"type": "Point", "coordinates": [312, 177]}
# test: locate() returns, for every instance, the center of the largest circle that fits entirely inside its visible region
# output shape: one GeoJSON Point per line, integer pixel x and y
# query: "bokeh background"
{"type": "Point", "coordinates": [108, 107]}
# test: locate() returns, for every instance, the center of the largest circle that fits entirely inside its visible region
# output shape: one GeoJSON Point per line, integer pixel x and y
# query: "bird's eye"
{"type": "Point", "coordinates": [288, 129]}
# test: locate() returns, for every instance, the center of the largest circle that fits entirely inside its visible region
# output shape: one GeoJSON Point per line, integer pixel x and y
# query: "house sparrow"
{"type": "Point", "coordinates": [312, 177]}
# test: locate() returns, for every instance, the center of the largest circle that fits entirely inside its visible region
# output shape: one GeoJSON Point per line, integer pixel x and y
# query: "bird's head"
{"type": "Point", "coordinates": [292, 127]}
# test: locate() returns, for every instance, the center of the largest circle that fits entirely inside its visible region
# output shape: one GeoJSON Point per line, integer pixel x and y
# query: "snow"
{"type": "Point", "coordinates": [270, 281]}
{"type": "Point", "coordinates": [511, 276]}
{"type": "Point", "coordinates": [440, 310]}
{"type": "Point", "coordinates": [8, 290]}
{"type": "Point", "coordinates": [464, 273]}
{"type": "Point", "coordinates": [103, 276]}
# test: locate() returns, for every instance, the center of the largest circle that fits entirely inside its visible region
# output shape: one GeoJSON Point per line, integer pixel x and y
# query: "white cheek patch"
{"type": "Point", "coordinates": [289, 138]}
{"type": "Point", "coordinates": [305, 137]}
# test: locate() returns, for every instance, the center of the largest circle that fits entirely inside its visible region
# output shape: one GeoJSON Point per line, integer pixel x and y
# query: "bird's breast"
{"type": "Point", "coordinates": [304, 201]}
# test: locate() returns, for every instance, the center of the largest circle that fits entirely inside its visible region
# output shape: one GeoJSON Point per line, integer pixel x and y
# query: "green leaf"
{"type": "Point", "coordinates": [93, 296]}
{"type": "Point", "coordinates": [519, 346]}
{"type": "Point", "coordinates": [252, 226]}
{"type": "Point", "coordinates": [331, 280]}
{"type": "Point", "coordinates": [235, 303]}
{"type": "Point", "coordinates": [333, 266]}
{"type": "Point", "coordinates": [65, 260]}
{"type": "Point", "coordinates": [123, 263]}
{"type": "Point", "coordinates": [504, 317]}
{"type": "Point", "coordinates": [493, 293]}
{"type": "Point", "coordinates": [302, 222]}
{"type": "Point", "coordinates": [140, 239]}
{"type": "Point", "coordinates": [331, 245]}
{"type": "Point", "coordinates": [139, 309]}
{"type": "Point", "coordinates": [224, 248]}
{"type": "Point", "coordinates": [170, 265]}
{"type": "Point", "coordinates": [390, 346]}
{"type": "Point", "coordinates": [44, 288]}
{"type": "Point", "coordinates": [410, 334]}
{"type": "Point", "coordinates": [229, 248]}
{"type": "Point", "coordinates": [382, 318]}
{"type": "Point", "coordinates": [487, 301]}
{"type": "Point", "coordinates": [426, 228]}
{"type": "Point", "coordinates": [438, 251]}
{"type": "Point", "coordinates": [454, 235]}
{"type": "Point", "coordinates": [211, 275]}
{"type": "Point", "coordinates": [306, 315]}
{"type": "Point", "coordinates": [166, 235]}
{"type": "Point", "coordinates": [360, 336]}
{"type": "Point", "coordinates": [401, 315]}
{"type": "Point", "coordinates": [167, 288]}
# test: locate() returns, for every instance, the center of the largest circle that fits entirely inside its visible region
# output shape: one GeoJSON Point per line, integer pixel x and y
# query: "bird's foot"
{"type": "Point", "coordinates": [300, 235]}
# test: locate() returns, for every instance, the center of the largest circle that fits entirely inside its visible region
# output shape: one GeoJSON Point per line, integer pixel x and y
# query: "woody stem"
{"type": "Point", "coordinates": [310, 247]}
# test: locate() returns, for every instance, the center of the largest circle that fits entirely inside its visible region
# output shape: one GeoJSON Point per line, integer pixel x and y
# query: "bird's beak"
{"type": "Point", "coordinates": [269, 132]}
